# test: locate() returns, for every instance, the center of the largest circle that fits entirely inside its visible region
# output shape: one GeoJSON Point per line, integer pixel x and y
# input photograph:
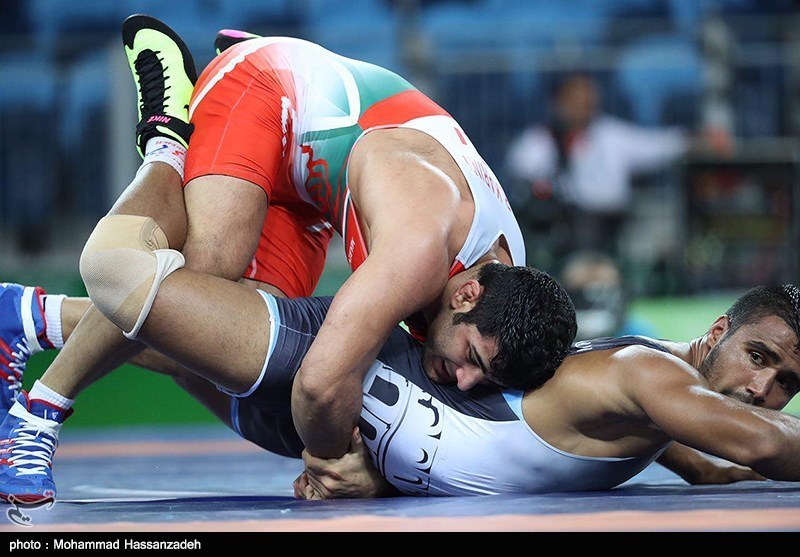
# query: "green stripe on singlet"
{"type": "Point", "coordinates": [374, 84]}
{"type": "Point", "coordinates": [332, 147]}
{"type": "Point", "coordinates": [327, 135]}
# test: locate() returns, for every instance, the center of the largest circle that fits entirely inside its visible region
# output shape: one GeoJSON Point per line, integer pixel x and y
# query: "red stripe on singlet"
{"type": "Point", "coordinates": [400, 108]}
{"type": "Point", "coordinates": [456, 268]}
{"type": "Point", "coordinates": [354, 246]}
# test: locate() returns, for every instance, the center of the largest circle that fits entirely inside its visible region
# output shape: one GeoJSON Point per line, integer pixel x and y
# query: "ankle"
{"type": "Point", "coordinates": [52, 318]}
{"type": "Point", "coordinates": [42, 392]}
{"type": "Point", "coordinates": [165, 150]}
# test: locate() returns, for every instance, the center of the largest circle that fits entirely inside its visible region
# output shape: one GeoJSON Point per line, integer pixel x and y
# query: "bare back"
{"type": "Point", "coordinates": [584, 409]}
{"type": "Point", "coordinates": [630, 400]}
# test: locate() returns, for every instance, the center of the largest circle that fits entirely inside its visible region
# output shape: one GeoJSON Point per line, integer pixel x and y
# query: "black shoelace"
{"type": "Point", "coordinates": [152, 82]}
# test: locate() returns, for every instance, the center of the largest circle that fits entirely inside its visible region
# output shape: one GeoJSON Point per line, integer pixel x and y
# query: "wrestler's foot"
{"type": "Point", "coordinates": [28, 441]}
{"type": "Point", "coordinates": [22, 334]}
{"type": "Point", "coordinates": [164, 72]}
{"type": "Point", "coordinates": [226, 38]}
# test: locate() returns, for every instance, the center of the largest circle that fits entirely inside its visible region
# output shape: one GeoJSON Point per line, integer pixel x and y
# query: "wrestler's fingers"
{"type": "Point", "coordinates": [321, 468]}
{"type": "Point", "coordinates": [317, 488]}
{"type": "Point", "coordinates": [299, 485]}
{"type": "Point", "coordinates": [304, 490]}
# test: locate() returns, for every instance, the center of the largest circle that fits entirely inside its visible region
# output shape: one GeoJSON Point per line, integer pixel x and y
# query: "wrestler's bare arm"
{"type": "Point", "coordinates": [678, 401]}
{"type": "Point", "coordinates": [409, 208]}
{"type": "Point", "coordinates": [699, 469]}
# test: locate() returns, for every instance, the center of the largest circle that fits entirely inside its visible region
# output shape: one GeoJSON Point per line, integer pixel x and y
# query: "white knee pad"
{"type": "Point", "coordinates": [123, 264]}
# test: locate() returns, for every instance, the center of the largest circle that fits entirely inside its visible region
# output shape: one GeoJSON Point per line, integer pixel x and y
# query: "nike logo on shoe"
{"type": "Point", "coordinates": [159, 118]}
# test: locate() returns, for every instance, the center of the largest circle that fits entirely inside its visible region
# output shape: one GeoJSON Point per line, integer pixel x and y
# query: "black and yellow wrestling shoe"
{"type": "Point", "coordinates": [164, 72]}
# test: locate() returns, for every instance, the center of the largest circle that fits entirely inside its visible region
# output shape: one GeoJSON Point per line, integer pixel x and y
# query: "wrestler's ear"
{"type": "Point", "coordinates": [466, 295]}
{"type": "Point", "coordinates": [718, 330]}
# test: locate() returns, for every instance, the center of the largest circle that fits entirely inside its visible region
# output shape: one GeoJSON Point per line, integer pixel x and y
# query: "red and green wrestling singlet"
{"type": "Point", "coordinates": [285, 114]}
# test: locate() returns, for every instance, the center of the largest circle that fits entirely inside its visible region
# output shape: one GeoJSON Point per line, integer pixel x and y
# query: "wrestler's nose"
{"type": "Point", "coordinates": [761, 384]}
{"type": "Point", "coordinates": [468, 376]}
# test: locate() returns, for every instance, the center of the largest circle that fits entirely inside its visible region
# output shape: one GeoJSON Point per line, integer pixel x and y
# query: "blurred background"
{"type": "Point", "coordinates": [649, 147]}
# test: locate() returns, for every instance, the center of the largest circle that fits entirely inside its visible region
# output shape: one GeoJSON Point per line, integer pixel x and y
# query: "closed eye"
{"type": "Point", "coordinates": [475, 359]}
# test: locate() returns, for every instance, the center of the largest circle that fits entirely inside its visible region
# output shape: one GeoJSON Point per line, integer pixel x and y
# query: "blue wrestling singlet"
{"type": "Point", "coordinates": [426, 439]}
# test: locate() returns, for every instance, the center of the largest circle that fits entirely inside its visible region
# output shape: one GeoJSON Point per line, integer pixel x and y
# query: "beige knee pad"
{"type": "Point", "coordinates": [123, 264]}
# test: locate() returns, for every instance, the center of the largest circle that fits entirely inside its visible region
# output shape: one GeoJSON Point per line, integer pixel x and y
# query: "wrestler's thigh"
{"type": "Point", "coordinates": [204, 391]}
{"type": "Point", "coordinates": [234, 160]}
{"type": "Point", "coordinates": [291, 253]}
{"type": "Point", "coordinates": [216, 328]}
{"type": "Point", "coordinates": [225, 218]}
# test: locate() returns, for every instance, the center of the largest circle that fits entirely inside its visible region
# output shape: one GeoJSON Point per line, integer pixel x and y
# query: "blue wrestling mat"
{"type": "Point", "coordinates": [208, 480]}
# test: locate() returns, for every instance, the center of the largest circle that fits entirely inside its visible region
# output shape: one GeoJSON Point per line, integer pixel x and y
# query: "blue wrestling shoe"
{"type": "Point", "coordinates": [28, 440]}
{"type": "Point", "coordinates": [22, 334]}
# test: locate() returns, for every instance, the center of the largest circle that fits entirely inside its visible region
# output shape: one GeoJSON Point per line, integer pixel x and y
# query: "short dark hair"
{"type": "Point", "coordinates": [762, 301]}
{"type": "Point", "coordinates": [531, 316]}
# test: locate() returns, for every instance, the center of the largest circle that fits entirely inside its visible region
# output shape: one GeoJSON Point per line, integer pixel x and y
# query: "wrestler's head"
{"type": "Point", "coordinates": [511, 326]}
{"type": "Point", "coordinates": [753, 350]}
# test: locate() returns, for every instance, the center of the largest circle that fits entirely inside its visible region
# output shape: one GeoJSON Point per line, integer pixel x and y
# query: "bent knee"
{"type": "Point", "coordinates": [124, 260]}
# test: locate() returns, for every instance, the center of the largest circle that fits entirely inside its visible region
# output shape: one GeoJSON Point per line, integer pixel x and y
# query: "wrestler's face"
{"type": "Point", "coordinates": [756, 363]}
{"type": "Point", "coordinates": [457, 354]}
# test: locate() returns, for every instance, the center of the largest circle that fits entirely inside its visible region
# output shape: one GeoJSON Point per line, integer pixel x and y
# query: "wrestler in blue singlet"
{"type": "Point", "coordinates": [425, 438]}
